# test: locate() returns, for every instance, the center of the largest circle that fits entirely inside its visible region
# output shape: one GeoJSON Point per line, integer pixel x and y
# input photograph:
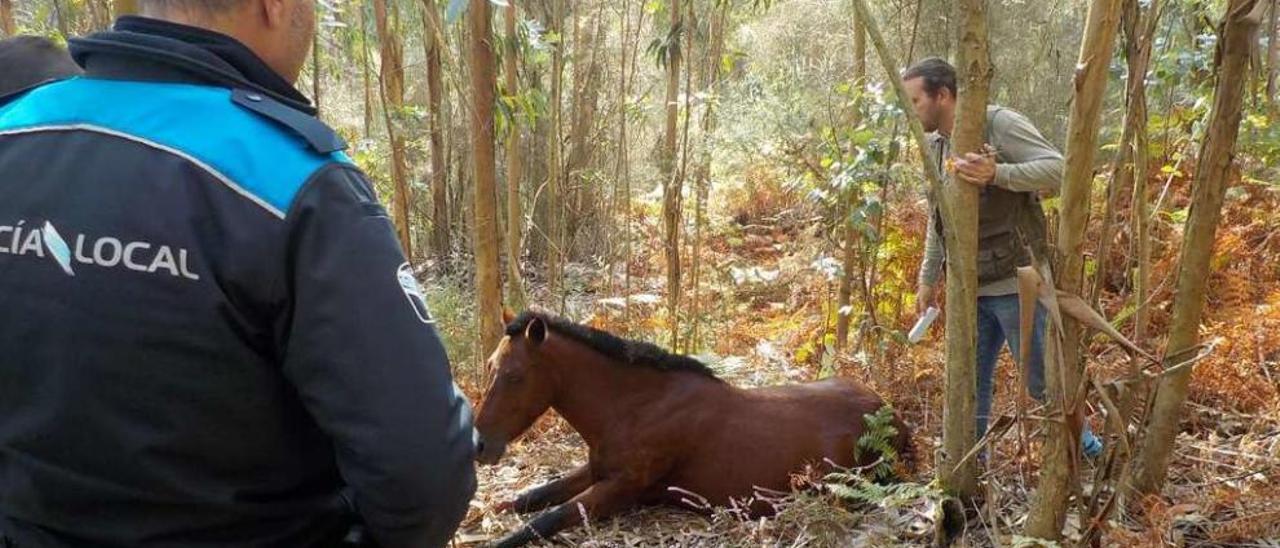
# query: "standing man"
{"type": "Point", "coordinates": [208, 333]}
{"type": "Point", "coordinates": [1019, 165]}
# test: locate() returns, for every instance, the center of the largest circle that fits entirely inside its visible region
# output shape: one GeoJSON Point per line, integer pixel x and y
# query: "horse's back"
{"type": "Point", "coordinates": [765, 435]}
{"type": "Point", "coordinates": [829, 400]}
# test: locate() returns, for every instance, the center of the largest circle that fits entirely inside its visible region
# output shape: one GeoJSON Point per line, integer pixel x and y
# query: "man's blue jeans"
{"type": "Point", "coordinates": [998, 322]}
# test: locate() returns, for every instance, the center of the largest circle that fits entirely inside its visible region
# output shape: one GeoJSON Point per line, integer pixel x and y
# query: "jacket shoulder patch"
{"type": "Point", "coordinates": [319, 136]}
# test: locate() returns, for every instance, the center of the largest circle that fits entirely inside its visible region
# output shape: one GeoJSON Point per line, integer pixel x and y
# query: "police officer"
{"type": "Point", "coordinates": [209, 335]}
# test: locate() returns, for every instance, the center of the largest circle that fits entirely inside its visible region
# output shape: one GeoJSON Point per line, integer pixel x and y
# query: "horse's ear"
{"type": "Point", "coordinates": [507, 315]}
{"type": "Point", "coordinates": [536, 331]}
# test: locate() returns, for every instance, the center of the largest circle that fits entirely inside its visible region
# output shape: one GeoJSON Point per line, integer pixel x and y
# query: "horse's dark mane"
{"type": "Point", "coordinates": [625, 351]}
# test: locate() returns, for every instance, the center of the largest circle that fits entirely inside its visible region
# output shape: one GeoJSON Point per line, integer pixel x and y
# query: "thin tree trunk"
{"type": "Point", "coordinates": [99, 14]}
{"type": "Point", "coordinates": [1123, 175]}
{"type": "Point", "coordinates": [1273, 55]}
{"type": "Point", "coordinates": [627, 77]}
{"type": "Point", "coordinates": [711, 77]}
{"type": "Point", "coordinates": [95, 17]}
{"type": "Point", "coordinates": [1142, 172]}
{"type": "Point", "coordinates": [515, 217]}
{"type": "Point", "coordinates": [585, 98]}
{"type": "Point", "coordinates": [931, 176]}
{"type": "Point", "coordinates": [555, 257]}
{"type": "Point", "coordinates": [844, 298]}
{"type": "Point", "coordinates": [484, 154]}
{"type": "Point", "coordinates": [623, 177]}
{"type": "Point", "coordinates": [316, 71]}
{"type": "Point", "coordinates": [124, 7]}
{"type": "Point", "coordinates": [392, 80]}
{"type": "Point", "coordinates": [670, 177]}
{"type": "Point", "coordinates": [682, 173]}
{"type": "Point", "coordinates": [974, 81]}
{"type": "Point", "coordinates": [1122, 167]}
{"type": "Point", "coordinates": [7, 24]}
{"type": "Point", "coordinates": [1062, 433]}
{"type": "Point", "coordinates": [60, 12]}
{"type": "Point", "coordinates": [1147, 472]}
{"type": "Point", "coordinates": [364, 62]}
{"type": "Point", "coordinates": [440, 244]}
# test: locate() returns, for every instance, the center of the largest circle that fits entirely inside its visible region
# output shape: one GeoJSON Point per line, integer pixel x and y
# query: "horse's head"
{"type": "Point", "coordinates": [520, 393]}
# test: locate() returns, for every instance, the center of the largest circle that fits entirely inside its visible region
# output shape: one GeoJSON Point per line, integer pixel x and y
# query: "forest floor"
{"type": "Point", "coordinates": [773, 296]}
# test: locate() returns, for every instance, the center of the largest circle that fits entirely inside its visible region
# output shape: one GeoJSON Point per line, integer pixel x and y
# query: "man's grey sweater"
{"type": "Point", "coordinates": [1025, 162]}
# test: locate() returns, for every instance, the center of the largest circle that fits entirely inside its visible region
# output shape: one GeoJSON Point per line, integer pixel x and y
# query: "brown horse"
{"type": "Point", "coordinates": [654, 421]}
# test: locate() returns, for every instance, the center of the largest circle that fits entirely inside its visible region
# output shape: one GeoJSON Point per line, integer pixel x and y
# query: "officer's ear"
{"type": "Point", "coordinates": [507, 315]}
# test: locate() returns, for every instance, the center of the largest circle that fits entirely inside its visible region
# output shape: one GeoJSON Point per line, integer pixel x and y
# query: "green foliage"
{"type": "Point", "coordinates": [1260, 139]}
{"type": "Point", "coordinates": [857, 488]}
{"type": "Point", "coordinates": [665, 48]}
{"type": "Point", "coordinates": [877, 439]}
{"type": "Point", "coordinates": [859, 158]}
{"type": "Point", "coordinates": [452, 305]}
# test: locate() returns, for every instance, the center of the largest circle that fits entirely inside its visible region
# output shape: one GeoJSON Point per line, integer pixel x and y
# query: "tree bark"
{"type": "Point", "coordinates": [484, 154]}
{"type": "Point", "coordinates": [582, 138]}
{"type": "Point", "coordinates": [99, 14]}
{"type": "Point", "coordinates": [1122, 169]}
{"type": "Point", "coordinates": [124, 7]}
{"type": "Point", "coordinates": [670, 176]}
{"type": "Point", "coordinates": [1142, 172]}
{"type": "Point", "coordinates": [440, 244]}
{"type": "Point", "coordinates": [1147, 472]}
{"type": "Point", "coordinates": [316, 71]}
{"type": "Point", "coordinates": [621, 172]}
{"type": "Point", "coordinates": [364, 66]}
{"type": "Point", "coordinates": [682, 173]}
{"type": "Point", "coordinates": [1273, 55]}
{"type": "Point", "coordinates": [61, 15]}
{"type": "Point", "coordinates": [974, 80]}
{"type": "Point", "coordinates": [555, 256]}
{"type": "Point", "coordinates": [7, 24]}
{"type": "Point", "coordinates": [711, 76]}
{"type": "Point", "coordinates": [844, 296]}
{"type": "Point", "coordinates": [1062, 433]}
{"type": "Point", "coordinates": [515, 217]}
{"type": "Point", "coordinates": [627, 76]}
{"type": "Point", "coordinates": [391, 74]}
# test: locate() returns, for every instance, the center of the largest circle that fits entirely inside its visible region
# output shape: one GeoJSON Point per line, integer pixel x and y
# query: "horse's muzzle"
{"type": "Point", "coordinates": [489, 451]}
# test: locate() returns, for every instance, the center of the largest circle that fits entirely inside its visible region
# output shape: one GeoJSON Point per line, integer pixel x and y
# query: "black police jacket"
{"type": "Point", "coordinates": [209, 335]}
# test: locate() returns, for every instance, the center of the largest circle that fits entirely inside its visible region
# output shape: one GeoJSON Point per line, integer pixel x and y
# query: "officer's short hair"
{"type": "Point", "coordinates": [206, 6]}
{"type": "Point", "coordinates": [30, 60]}
{"type": "Point", "coordinates": [937, 74]}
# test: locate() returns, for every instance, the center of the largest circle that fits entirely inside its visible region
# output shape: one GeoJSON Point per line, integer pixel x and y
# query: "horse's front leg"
{"type": "Point", "coordinates": [599, 501]}
{"type": "Point", "coordinates": [551, 493]}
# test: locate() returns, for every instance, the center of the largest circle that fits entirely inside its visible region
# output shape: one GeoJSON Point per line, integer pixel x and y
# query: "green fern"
{"type": "Point", "coordinates": [877, 439]}
{"type": "Point", "coordinates": [858, 488]}
{"type": "Point", "coordinates": [868, 485]}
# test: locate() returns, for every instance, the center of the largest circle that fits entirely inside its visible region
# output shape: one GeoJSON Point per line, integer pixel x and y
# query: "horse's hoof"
{"type": "Point", "coordinates": [507, 542]}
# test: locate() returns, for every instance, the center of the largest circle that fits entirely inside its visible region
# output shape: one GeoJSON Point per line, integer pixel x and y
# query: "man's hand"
{"type": "Point", "coordinates": [926, 296]}
{"type": "Point", "coordinates": [977, 169]}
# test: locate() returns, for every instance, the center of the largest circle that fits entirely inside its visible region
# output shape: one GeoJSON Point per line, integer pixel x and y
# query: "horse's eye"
{"type": "Point", "coordinates": [513, 378]}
